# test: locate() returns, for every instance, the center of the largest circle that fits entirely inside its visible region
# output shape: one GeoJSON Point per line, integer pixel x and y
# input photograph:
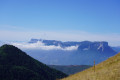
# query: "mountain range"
{"type": "Point", "coordinates": [85, 54]}
{"type": "Point", "coordinates": [17, 65]}
{"type": "Point", "coordinates": [82, 46]}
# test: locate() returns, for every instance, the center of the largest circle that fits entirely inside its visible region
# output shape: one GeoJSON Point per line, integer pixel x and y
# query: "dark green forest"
{"type": "Point", "coordinates": [17, 65]}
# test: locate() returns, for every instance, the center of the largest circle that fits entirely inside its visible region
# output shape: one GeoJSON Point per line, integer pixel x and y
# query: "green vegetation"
{"type": "Point", "coordinates": [70, 69]}
{"type": "Point", "coordinates": [17, 65]}
{"type": "Point", "coordinates": [107, 70]}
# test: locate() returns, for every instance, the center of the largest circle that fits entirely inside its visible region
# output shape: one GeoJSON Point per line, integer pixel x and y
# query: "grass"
{"type": "Point", "coordinates": [107, 70]}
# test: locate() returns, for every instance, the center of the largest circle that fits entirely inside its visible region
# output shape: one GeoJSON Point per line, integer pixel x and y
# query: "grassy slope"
{"type": "Point", "coordinates": [107, 70]}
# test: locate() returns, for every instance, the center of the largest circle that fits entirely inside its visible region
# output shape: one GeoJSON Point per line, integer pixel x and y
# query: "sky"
{"type": "Point", "coordinates": [66, 20]}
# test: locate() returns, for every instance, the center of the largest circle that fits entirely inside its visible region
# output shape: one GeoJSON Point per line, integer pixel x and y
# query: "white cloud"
{"type": "Point", "coordinates": [40, 45]}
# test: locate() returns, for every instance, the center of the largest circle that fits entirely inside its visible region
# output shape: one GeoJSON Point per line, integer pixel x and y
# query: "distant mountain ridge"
{"type": "Point", "coordinates": [86, 53]}
{"type": "Point", "coordinates": [55, 42]}
{"type": "Point", "coordinates": [101, 46]}
{"type": "Point", "coordinates": [67, 43]}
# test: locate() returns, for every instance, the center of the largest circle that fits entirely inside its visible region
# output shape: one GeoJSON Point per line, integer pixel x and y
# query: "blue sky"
{"type": "Point", "coordinates": [68, 19]}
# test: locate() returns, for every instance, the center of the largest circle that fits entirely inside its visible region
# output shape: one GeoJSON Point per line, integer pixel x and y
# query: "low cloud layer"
{"type": "Point", "coordinates": [40, 45]}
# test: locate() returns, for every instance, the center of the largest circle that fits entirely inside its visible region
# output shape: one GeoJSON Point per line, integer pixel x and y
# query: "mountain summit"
{"type": "Point", "coordinates": [100, 47]}
{"type": "Point", "coordinates": [17, 65]}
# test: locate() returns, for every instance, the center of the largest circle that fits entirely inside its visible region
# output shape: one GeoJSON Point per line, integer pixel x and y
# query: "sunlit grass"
{"type": "Point", "coordinates": [107, 70]}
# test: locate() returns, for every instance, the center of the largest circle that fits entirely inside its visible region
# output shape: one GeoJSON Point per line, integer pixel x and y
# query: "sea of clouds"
{"type": "Point", "coordinates": [42, 46]}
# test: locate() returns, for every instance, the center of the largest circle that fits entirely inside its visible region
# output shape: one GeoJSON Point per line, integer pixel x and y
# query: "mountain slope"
{"type": "Point", "coordinates": [107, 70]}
{"type": "Point", "coordinates": [17, 65]}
